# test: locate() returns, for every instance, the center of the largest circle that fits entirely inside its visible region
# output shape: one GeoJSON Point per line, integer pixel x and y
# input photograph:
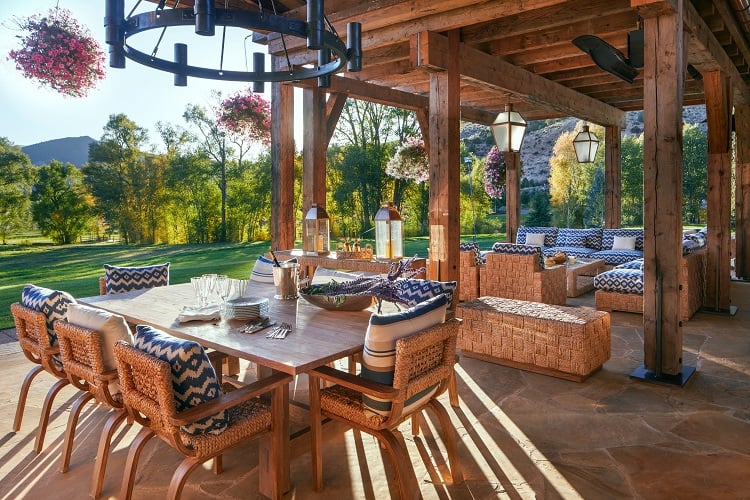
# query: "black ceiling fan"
{"type": "Point", "coordinates": [612, 60]}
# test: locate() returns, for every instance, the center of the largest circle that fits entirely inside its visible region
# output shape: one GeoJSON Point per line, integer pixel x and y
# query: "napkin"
{"type": "Point", "coordinates": [198, 313]}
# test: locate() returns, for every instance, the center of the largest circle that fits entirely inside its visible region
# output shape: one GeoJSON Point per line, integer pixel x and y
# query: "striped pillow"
{"type": "Point", "coordinates": [379, 355]}
{"type": "Point", "coordinates": [194, 380]}
{"type": "Point", "coordinates": [263, 269]}
{"type": "Point", "coordinates": [127, 279]}
{"type": "Point", "coordinates": [53, 303]}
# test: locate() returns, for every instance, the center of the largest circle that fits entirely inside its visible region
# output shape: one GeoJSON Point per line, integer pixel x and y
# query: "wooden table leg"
{"type": "Point", "coordinates": [274, 467]}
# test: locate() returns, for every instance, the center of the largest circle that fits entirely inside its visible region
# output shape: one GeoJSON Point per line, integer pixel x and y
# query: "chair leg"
{"type": "Point", "coordinates": [22, 396]}
{"type": "Point", "coordinates": [181, 474]}
{"type": "Point", "coordinates": [407, 480]}
{"type": "Point", "coordinates": [316, 433]}
{"type": "Point", "coordinates": [70, 430]}
{"type": "Point", "coordinates": [453, 390]}
{"type": "Point", "coordinates": [218, 464]}
{"type": "Point", "coordinates": [136, 447]}
{"type": "Point", "coordinates": [416, 421]}
{"type": "Point", "coordinates": [46, 410]}
{"type": "Point", "coordinates": [102, 454]}
{"type": "Point", "coordinates": [451, 442]}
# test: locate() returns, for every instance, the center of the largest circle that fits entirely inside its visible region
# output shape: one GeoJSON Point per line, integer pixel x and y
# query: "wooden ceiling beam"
{"type": "Point", "coordinates": [492, 72]}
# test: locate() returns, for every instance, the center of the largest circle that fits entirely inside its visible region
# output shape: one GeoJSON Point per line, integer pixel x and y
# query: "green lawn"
{"type": "Point", "coordinates": [76, 268]}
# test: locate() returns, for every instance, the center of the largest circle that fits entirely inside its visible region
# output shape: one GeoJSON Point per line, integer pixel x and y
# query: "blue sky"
{"type": "Point", "coordinates": [30, 113]}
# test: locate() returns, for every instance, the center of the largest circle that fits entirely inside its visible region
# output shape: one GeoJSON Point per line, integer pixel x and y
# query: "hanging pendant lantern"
{"type": "Point", "coordinates": [585, 144]}
{"type": "Point", "coordinates": [317, 237]}
{"type": "Point", "coordinates": [508, 129]}
{"type": "Point", "coordinates": [389, 239]}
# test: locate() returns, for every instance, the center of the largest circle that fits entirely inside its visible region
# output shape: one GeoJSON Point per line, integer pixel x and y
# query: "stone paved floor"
{"type": "Point", "coordinates": [522, 435]}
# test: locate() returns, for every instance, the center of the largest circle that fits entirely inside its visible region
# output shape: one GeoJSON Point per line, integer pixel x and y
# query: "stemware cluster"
{"type": "Point", "coordinates": [223, 286]}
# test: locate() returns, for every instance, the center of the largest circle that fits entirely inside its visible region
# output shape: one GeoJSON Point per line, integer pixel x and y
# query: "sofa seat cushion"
{"type": "Point", "coordinates": [620, 280]}
{"type": "Point", "coordinates": [577, 251]}
{"type": "Point", "coordinates": [615, 257]}
{"type": "Point", "coordinates": [633, 264]}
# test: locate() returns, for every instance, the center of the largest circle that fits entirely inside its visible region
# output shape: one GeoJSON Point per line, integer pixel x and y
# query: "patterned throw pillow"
{"type": "Point", "coordinates": [194, 380]}
{"type": "Point", "coordinates": [550, 234]}
{"type": "Point", "coordinates": [519, 249]}
{"type": "Point", "coordinates": [53, 303]}
{"type": "Point", "coordinates": [379, 355]}
{"type": "Point", "coordinates": [263, 269]}
{"type": "Point", "coordinates": [416, 291]}
{"type": "Point", "coordinates": [127, 279]}
{"type": "Point", "coordinates": [633, 264]}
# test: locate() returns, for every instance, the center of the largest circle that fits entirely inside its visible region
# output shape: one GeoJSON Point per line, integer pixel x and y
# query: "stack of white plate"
{"type": "Point", "coordinates": [247, 307]}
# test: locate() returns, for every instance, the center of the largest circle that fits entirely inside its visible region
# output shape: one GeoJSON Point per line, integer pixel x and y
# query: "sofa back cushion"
{"type": "Point", "coordinates": [586, 238]}
{"type": "Point", "coordinates": [472, 246]}
{"type": "Point", "coordinates": [126, 279]}
{"type": "Point", "coordinates": [550, 235]}
{"type": "Point", "coordinates": [518, 249]}
{"type": "Point", "coordinates": [53, 303]}
{"type": "Point", "coordinates": [608, 237]}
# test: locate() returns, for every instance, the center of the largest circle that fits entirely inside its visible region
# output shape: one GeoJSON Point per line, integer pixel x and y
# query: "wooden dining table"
{"type": "Point", "coordinates": [318, 336]}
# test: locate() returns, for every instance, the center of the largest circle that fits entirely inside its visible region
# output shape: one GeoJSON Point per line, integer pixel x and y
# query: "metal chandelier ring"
{"type": "Point", "coordinates": [251, 21]}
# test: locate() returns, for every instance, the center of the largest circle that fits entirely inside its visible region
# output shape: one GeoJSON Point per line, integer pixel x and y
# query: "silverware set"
{"type": "Point", "coordinates": [257, 325]}
{"type": "Point", "coordinates": [280, 332]}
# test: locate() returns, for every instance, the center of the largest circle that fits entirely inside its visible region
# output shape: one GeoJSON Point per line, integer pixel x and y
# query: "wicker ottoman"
{"type": "Point", "coordinates": [564, 342]}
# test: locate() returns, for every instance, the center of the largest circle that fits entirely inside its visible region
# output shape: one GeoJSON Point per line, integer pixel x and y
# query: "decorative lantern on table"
{"type": "Point", "coordinates": [389, 240]}
{"type": "Point", "coordinates": [317, 237]}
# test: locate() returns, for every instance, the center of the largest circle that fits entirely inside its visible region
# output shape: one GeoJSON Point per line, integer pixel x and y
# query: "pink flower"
{"type": "Point", "coordinates": [494, 173]}
{"type": "Point", "coordinates": [248, 114]}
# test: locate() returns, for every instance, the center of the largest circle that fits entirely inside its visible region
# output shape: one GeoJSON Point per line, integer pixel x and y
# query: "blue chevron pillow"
{"type": "Point", "coordinates": [415, 291]}
{"type": "Point", "coordinates": [194, 380]}
{"type": "Point", "coordinates": [620, 280]}
{"type": "Point", "coordinates": [127, 279]}
{"type": "Point", "coordinates": [53, 303]}
{"type": "Point", "coordinates": [263, 269]}
{"type": "Point", "coordinates": [379, 353]}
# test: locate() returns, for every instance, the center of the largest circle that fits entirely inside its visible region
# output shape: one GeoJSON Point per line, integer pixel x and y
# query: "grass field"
{"type": "Point", "coordinates": [76, 268]}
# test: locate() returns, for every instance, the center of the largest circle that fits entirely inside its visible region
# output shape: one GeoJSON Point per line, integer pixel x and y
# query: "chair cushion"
{"type": "Point", "coordinates": [633, 264]}
{"type": "Point", "coordinates": [127, 279]}
{"type": "Point", "coordinates": [620, 280]}
{"type": "Point", "coordinates": [112, 328]}
{"type": "Point", "coordinates": [416, 291]}
{"type": "Point", "coordinates": [379, 355]}
{"type": "Point", "coordinates": [263, 269]}
{"type": "Point", "coordinates": [194, 380]}
{"type": "Point", "coordinates": [550, 234]}
{"type": "Point", "coordinates": [615, 257]}
{"type": "Point", "coordinates": [53, 303]}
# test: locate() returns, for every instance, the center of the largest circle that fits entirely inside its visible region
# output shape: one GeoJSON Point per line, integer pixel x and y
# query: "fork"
{"type": "Point", "coordinates": [280, 331]}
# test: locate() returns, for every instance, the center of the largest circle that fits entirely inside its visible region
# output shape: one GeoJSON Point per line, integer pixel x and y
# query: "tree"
{"type": "Point", "coordinates": [539, 210]}
{"type": "Point", "coordinates": [16, 177]}
{"type": "Point", "coordinates": [60, 206]}
{"type": "Point", "coordinates": [117, 175]}
{"type": "Point", "coordinates": [631, 189]}
{"type": "Point", "coordinates": [593, 213]}
{"type": "Point", "coordinates": [694, 172]}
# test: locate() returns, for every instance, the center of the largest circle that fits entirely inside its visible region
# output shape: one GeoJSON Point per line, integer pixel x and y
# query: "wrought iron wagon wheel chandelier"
{"type": "Point", "coordinates": [318, 32]}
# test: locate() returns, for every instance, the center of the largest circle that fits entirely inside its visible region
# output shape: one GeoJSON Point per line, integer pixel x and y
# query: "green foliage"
{"type": "Point", "coordinates": [539, 209]}
{"type": "Point", "coordinates": [16, 177]}
{"type": "Point", "coordinates": [694, 173]}
{"type": "Point", "coordinates": [59, 205]}
{"type": "Point", "coordinates": [593, 213]}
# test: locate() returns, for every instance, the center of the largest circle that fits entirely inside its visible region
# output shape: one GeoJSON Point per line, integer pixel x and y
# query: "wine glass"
{"type": "Point", "coordinates": [223, 287]}
{"type": "Point", "coordinates": [196, 282]}
{"type": "Point", "coordinates": [210, 280]}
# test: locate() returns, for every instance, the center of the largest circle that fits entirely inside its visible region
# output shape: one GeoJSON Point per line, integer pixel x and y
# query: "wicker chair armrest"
{"type": "Point", "coordinates": [80, 346]}
{"type": "Point", "coordinates": [27, 319]}
{"type": "Point", "coordinates": [231, 399]}
{"type": "Point", "coordinates": [357, 383]}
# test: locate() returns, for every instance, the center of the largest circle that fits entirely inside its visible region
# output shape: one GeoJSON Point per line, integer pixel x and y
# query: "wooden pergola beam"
{"type": "Point", "coordinates": [484, 70]}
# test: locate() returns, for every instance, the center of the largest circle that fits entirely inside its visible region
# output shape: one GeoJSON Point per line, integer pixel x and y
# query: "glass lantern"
{"type": "Point", "coordinates": [317, 237]}
{"type": "Point", "coordinates": [389, 240]}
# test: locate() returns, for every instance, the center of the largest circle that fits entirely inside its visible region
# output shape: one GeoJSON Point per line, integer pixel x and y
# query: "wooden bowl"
{"type": "Point", "coordinates": [339, 302]}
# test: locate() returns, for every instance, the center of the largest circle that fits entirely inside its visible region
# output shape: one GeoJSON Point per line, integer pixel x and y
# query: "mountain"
{"type": "Point", "coordinates": [541, 137]}
{"type": "Point", "coordinates": [73, 150]}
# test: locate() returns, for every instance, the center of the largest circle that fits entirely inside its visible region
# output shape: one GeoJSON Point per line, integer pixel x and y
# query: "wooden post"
{"type": "Point", "coordinates": [512, 195]}
{"type": "Point", "coordinates": [742, 191]}
{"type": "Point", "coordinates": [283, 217]}
{"type": "Point", "coordinates": [612, 177]}
{"type": "Point", "coordinates": [314, 141]}
{"type": "Point", "coordinates": [444, 168]}
{"type": "Point", "coordinates": [719, 114]}
{"type": "Point", "coordinates": [664, 74]}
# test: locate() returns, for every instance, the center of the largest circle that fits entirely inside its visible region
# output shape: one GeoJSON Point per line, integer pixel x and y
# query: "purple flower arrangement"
{"type": "Point", "coordinates": [494, 173]}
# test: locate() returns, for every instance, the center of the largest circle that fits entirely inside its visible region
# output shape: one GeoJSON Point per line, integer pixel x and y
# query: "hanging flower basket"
{"type": "Point", "coordinates": [494, 173]}
{"type": "Point", "coordinates": [59, 53]}
{"type": "Point", "coordinates": [247, 114]}
{"type": "Point", "coordinates": [410, 161]}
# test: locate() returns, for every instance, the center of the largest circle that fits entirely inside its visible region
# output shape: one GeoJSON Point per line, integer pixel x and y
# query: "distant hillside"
{"type": "Point", "coordinates": [538, 144]}
{"type": "Point", "coordinates": [73, 150]}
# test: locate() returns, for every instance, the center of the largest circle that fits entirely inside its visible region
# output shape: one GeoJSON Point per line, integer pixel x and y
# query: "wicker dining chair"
{"type": "Point", "coordinates": [82, 352]}
{"type": "Point", "coordinates": [32, 332]}
{"type": "Point", "coordinates": [423, 359]}
{"type": "Point", "coordinates": [146, 384]}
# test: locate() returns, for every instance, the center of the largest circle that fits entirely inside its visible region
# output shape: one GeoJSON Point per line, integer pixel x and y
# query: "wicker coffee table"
{"type": "Point", "coordinates": [581, 275]}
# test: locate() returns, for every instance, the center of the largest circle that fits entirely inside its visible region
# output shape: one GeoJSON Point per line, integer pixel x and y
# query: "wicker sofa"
{"type": "Point", "coordinates": [517, 272]}
{"type": "Point", "coordinates": [614, 246]}
{"type": "Point", "coordinates": [621, 289]}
